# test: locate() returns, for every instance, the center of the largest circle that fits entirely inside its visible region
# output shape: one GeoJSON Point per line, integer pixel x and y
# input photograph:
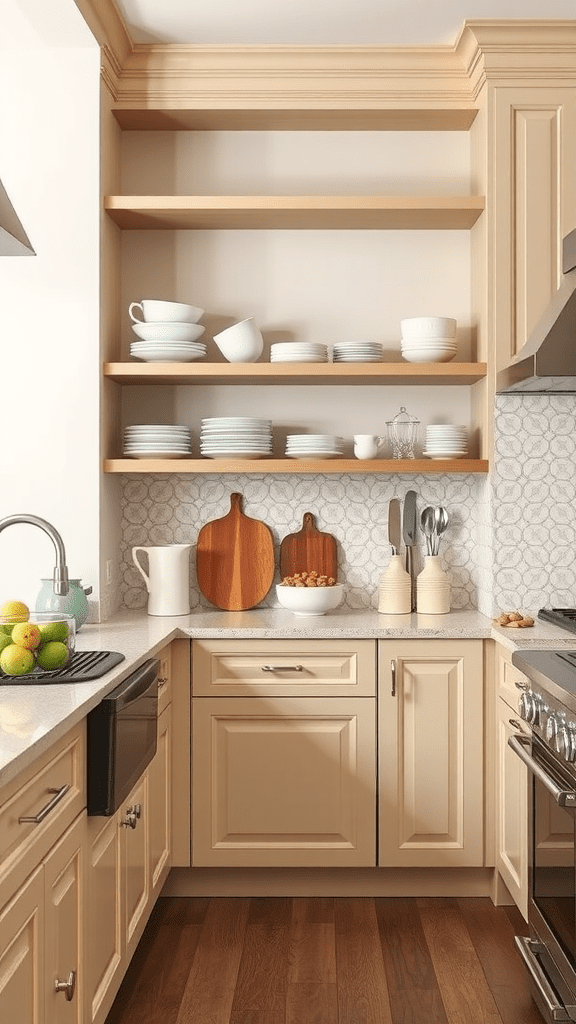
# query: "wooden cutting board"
{"type": "Point", "coordinates": [307, 550]}
{"type": "Point", "coordinates": [235, 559]}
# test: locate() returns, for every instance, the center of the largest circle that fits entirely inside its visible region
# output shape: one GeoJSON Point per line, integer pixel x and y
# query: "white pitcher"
{"type": "Point", "coordinates": [168, 582]}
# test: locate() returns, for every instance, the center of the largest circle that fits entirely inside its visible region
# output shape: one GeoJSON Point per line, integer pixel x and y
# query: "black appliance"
{"type": "Point", "coordinates": [548, 704]}
{"type": "Point", "coordinates": [121, 738]}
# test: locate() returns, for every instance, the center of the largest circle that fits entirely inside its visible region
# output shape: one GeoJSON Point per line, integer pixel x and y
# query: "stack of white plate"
{"type": "Point", "coordinates": [168, 342]}
{"type": "Point", "coordinates": [428, 339]}
{"type": "Point", "coordinates": [445, 441]}
{"type": "Point", "coordinates": [157, 441]}
{"type": "Point", "coordinates": [357, 352]}
{"type": "Point", "coordinates": [314, 446]}
{"type": "Point", "coordinates": [298, 352]}
{"type": "Point", "coordinates": [235, 437]}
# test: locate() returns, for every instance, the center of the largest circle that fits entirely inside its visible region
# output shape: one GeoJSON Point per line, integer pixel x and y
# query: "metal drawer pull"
{"type": "Point", "coordinates": [67, 987]}
{"type": "Point", "coordinates": [162, 680]}
{"type": "Point", "coordinates": [563, 797]}
{"type": "Point", "coordinates": [282, 668]}
{"type": "Point", "coordinates": [529, 950]}
{"type": "Point", "coordinates": [37, 818]}
{"type": "Point", "coordinates": [515, 724]}
{"type": "Point", "coordinates": [133, 813]}
{"type": "Point", "coordinates": [520, 686]}
{"type": "Point", "coordinates": [393, 674]}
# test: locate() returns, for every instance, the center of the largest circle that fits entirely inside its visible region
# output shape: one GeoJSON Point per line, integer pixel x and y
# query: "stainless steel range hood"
{"type": "Point", "coordinates": [547, 362]}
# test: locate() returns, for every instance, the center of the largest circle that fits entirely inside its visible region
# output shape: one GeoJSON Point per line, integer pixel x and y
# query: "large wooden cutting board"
{"type": "Point", "coordinates": [235, 559]}
{"type": "Point", "coordinates": [307, 550]}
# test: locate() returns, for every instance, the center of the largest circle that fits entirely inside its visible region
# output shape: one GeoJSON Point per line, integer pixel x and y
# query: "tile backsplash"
{"type": "Point", "coordinates": [169, 509]}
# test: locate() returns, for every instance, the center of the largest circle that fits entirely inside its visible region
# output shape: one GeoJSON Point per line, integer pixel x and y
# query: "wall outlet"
{"type": "Point", "coordinates": [109, 571]}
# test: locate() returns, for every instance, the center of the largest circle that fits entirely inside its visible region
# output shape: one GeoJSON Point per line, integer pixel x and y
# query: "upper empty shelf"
{"type": "Point", "coordinates": [378, 212]}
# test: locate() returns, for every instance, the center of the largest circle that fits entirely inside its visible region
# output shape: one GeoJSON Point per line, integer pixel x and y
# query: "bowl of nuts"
{"type": "Point", "coordinates": [308, 593]}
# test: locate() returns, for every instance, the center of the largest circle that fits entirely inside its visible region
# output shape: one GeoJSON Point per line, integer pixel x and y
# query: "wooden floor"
{"type": "Point", "coordinates": [327, 961]}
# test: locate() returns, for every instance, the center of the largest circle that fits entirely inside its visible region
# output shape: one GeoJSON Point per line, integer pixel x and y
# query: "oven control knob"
{"type": "Point", "coordinates": [562, 742]}
{"type": "Point", "coordinates": [551, 732]}
{"type": "Point", "coordinates": [537, 710]}
{"type": "Point", "coordinates": [525, 705]}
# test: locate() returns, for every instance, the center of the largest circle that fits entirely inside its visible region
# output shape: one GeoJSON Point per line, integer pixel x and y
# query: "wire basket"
{"type": "Point", "coordinates": [403, 434]}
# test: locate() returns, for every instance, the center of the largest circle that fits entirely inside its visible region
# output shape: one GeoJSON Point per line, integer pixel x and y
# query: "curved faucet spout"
{"type": "Point", "coordinates": [60, 580]}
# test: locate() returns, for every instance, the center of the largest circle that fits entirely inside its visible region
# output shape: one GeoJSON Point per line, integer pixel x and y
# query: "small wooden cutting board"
{"type": "Point", "coordinates": [307, 550]}
{"type": "Point", "coordinates": [235, 559]}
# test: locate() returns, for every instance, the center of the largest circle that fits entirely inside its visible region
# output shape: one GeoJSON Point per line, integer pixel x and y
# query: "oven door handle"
{"type": "Point", "coordinates": [563, 797]}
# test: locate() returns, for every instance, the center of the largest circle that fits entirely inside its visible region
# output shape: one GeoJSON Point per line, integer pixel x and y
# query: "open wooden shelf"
{"type": "Point", "coordinates": [399, 119]}
{"type": "Point", "coordinates": [296, 373]}
{"type": "Point", "coordinates": [253, 212]}
{"type": "Point", "coordinates": [411, 466]}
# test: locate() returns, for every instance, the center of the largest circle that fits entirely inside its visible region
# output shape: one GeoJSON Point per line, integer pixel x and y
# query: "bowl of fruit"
{"type": "Point", "coordinates": [32, 643]}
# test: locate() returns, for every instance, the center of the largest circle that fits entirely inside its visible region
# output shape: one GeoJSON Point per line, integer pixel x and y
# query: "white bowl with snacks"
{"type": "Point", "coordinates": [310, 600]}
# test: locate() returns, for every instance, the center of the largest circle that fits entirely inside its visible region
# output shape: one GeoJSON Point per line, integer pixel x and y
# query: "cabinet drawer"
{"type": "Point", "coordinates": [254, 668]}
{"type": "Point", "coordinates": [24, 844]}
{"type": "Point", "coordinates": [164, 679]}
{"type": "Point", "coordinates": [510, 680]}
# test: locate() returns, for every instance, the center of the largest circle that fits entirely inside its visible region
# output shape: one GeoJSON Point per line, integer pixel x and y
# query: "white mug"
{"type": "Point", "coordinates": [366, 446]}
{"type": "Point", "coordinates": [161, 311]}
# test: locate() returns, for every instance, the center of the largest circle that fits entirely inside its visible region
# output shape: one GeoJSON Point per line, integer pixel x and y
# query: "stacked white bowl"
{"type": "Point", "coordinates": [157, 441]}
{"type": "Point", "coordinates": [298, 352]}
{"type": "Point", "coordinates": [357, 352]}
{"type": "Point", "coordinates": [428, 339]}
{"type": "Point", "coordinates": [314, 446]}
{"type": "Point", "coordinates": [235, 437]}
{"type": "Point", "coordinates": [168, 331]}
{"type": "Point", "coordinates": [445, 441]}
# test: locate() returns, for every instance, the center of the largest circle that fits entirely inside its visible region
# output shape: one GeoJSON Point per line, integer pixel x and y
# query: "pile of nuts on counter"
{"type": "Point", "coordinates": [514, 620]}
{"type": "Point", "coordinates": [308, 579]}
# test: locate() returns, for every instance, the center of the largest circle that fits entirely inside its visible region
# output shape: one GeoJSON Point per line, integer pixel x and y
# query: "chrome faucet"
{"type": "Point", "coordinates": [60, 578]}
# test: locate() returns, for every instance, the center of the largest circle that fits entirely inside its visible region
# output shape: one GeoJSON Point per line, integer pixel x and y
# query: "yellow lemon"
{"type": "Point", "coordinates": [14, 611]}
{"type": "Point", "coordinates": [26, 634]}
{"type": "Point", "coordinates": [16, 661]}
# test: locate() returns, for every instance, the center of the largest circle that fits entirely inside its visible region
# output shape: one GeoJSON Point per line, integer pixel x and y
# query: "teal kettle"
{"type": "Point", "coordinates": [74, 603]}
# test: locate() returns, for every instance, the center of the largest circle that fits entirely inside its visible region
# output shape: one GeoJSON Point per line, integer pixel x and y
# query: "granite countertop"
{"type": "Point", "coordinates": [32, 718]}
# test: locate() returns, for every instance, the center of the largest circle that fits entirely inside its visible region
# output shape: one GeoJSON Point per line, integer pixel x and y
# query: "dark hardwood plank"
{"type": "Point", "coordinates": [314, 908]}
{"type": "Point", "coordinates": [312, 955]}
{"type": "Point", "coordinates": [465, 993]}
{"type": "Point", "coordinates": [312, 1003]}
{"type": "Point", "coordinates": [209, 992]}
{"type": "Point", "coordinates": [412, 984]}
{"type": "Point", "coordinates": [260, 994]}
{"type": "Point", "coordinates": [362, 987]}
{"type": "Point", "coordinates": [518, 923]}
{"type": "Point", "coordinates": [493, 937]}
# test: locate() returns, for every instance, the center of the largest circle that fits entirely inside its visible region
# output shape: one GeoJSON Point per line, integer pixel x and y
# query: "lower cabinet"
{"type": "Point", "coordinates": [430, 718]}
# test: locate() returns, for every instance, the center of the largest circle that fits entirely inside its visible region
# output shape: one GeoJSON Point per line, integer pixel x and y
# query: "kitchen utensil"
{"type": "Point", "coordinates": [441, 520]}
{"type": "Point", "coordinates": [367, 446]}
{"type": "Point", "coordinates": [394, 531]}
{"type": "Point", "coordinates": [310, 600]}
{"type": "Point", "coordinates": [158, 310]}
{"type": "Point", "coordinates": [427, 524]}
{"type": "Point", "coordinates": [409, 536]}
{"type": "Point", "coordinates": [309, 549]}
{"type": "Point", "coordinates": [403, 434]}
{"type": "Point", "coordinates": [235, 559]}
{"type": "Point", "coordinates": [74, 603]}
{"type": "Point", "coordinates": [241, 343]}
{"type": "Point", "coordinates": [168, 578]}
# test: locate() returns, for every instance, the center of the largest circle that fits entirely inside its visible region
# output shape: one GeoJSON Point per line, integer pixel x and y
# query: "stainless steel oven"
{"type": "Point", "coordinates": [549, 706]}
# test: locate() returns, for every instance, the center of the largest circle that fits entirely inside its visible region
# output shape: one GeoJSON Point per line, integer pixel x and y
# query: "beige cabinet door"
{"type": "Point", "coordinates": [136, 873]}
{"type": "Point", "coordinates": [284, 782]}
{"type": "Point", "coordinates": [159, 803]}
{"type": "Point", "coordinates": [431, 763]}
{"type": "Point", "coordinates": [104, 917]}
{"type": "Point", "coordinates": [64, 887]}
{"type": "Point", "coordinates": [512, 808]}
{"type": "Point", "coordinates": [22, 974]}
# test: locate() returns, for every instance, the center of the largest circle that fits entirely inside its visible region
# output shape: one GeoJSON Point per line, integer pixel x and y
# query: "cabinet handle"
{"type": "Point", "coordinates": [515, 724]}
{"type": "Point", "coordinates": [393, 674]}
{"type": "Point", "coordinates": [37, 818]}
{"type": "Point", "coordinates": [162, 680]}
{"type": "Point", "coordinates": [282, 668]}
{"type": "Point", "coordinates": [520, 686]}
{"type": "Point", "coordinates": [136, 810]}
{"type": "Point", "coordinates": [130, 821]}
{"type": "Point", "coordinates": [67, 987]}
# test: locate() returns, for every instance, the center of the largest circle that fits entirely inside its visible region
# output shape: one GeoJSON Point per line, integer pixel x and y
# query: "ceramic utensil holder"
{"type": "Point", "coordinates": [394, 591]}
{"type": "Point", "coordinates": [432, 588]}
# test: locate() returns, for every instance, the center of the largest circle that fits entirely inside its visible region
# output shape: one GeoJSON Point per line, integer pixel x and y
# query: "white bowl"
{"type": "Point", "coordinates": [241, 343]}
{"type": "Point", "coordinates": [157, 310]}
{"type": "Point", "coordinates": [429, 327]}
{"type": "Point", "coordinates": [310, 600]}
{"type": "Point", "coordinates": [428, 355]}
{"type": "Point", "coordinates": [168, 331]}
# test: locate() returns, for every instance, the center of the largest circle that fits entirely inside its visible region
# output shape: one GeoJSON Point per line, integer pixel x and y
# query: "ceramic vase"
{"type": "Point", "coordinates": [394, 591]}
{"type": "Point", "coordinates": [432, 588]}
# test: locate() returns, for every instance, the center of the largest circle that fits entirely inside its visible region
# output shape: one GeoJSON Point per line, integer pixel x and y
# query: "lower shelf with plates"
{"type": "Point", "coordinates": [389, 466]}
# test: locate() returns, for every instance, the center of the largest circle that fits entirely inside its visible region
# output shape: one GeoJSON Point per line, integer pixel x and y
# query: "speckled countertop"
{"type": "Point", "coordinates": [32, 718]}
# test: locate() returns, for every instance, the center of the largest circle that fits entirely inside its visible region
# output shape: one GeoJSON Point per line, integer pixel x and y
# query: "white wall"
{"type": "Point", "coordinates": [49, 304]}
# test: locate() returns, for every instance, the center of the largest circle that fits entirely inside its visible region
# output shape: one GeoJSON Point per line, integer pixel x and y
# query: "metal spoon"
{"type": "Point", "coordinates": [427, 524]}
{"type": "Point", "coordinates": [441, 520]}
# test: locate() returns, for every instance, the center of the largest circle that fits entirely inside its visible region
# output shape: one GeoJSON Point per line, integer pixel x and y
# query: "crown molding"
{"type": "Point", "coordinates": [505, 50]}
{"type": "Point", "coordinates": [111, 33]}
